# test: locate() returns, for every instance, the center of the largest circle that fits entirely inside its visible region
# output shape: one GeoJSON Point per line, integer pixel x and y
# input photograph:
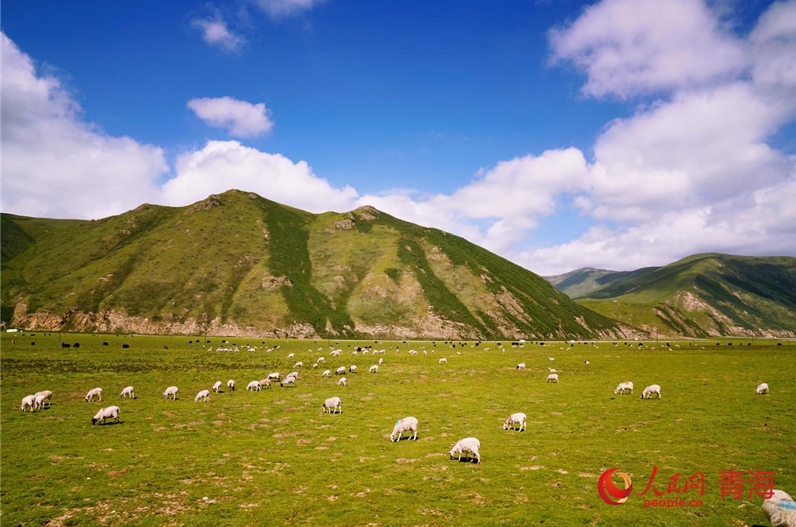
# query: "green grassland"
{"type": "Point", "coordinates": [272, 457]}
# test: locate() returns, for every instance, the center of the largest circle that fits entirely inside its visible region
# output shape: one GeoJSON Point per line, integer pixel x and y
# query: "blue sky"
{"type": "Point", "coordinates": [614, 134]}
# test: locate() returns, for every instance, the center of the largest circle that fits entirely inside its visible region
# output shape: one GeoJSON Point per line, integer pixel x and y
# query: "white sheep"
{"type": "Point", "coordinates": [649, 390]}
{"type": "Point", "coordinates": [553, 377]}
{"type": "Point", "coordinates": [333, 405]}
{"type": "Point", "coordinates": [111, 412]}
{"type": "Point", "coordinates": [274, 376]}
{"type": "Point", "coordinates": [520, 366]}
{"type": "Point", "coordinates": [217, 386]}
{"type": "Point", "coordinates": [288, 380]}
{"type": "Point", "coordinates": [468, 444]}
{"type": "Point", "coordinates": [171, 391]}
{"type": "Point", "coordinates": [340, 371]}
{"type": "Point", "coordinates": [42, 397]}
{"type": "Point", "coordinates": [94, 392]}
{"type": "Point", "coordinates": [443, 361]}
{"type": "Point", "coordinates": [255, 386]}
{"type": "Point", "coordinates": [28, 402]}
{"type": "Point", "coordinates": [342, 382]}
{"type": "Point", "coordinates": [780, 509]}
{"type": "Point", "coordinates": [623, 387]}
{"type": "Point", "coordinates": [374, 369]}
{"type": "Point", "coordinates": [518, 418]}
{"type": "Point", "coordinates": [265, 383]}
{"type": "Point", "coordinates": [407, 423]}
{"type": "Point", "coordinates": [290, 356]}
{"type": "Point", "coordinates": [326, 374]}
{"type": "Point", "coordinates": [762, 389]}
{"type": "Point", "coordinates": [298, 365]}
{"type": "Point", "coordinates": [336, 353]}
{"type": "Point", "coordinates": [204, 395]}
{"type": "Point", "coordinates": [381, 361]}
{"type": "Point", "coordinates": [352, 368]}
{"type": "Point", "coordinates": [127, 392]}
{"type": "Point", "coordinates": [320, 359]}
{"type": "Point", "coordinates": [231, 385]}
{"type": "Point", "coordinates": [552, 370]}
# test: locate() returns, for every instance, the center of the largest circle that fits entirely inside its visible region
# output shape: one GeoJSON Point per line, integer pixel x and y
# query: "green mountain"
{"type": "Point", "coordinates": [239, 264]}
{"type": "Point", "coordinates": [705, 295]}
{"type": "Point", "coordinates": [582, 282]}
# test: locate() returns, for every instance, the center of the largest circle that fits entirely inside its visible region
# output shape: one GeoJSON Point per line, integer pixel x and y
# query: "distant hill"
{"type": "Point", "coordinates": [239, 264]}
{"type": "Point", "coordinates": [582, 282]}
{"type": "Point", "coordinates": [703, 295]}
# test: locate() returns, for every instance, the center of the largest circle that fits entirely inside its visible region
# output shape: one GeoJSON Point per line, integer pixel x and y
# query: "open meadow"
{"type": "Point", "coordinates": [272, 457]}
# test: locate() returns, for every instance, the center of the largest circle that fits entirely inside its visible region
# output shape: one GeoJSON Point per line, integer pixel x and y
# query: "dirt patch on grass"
{"type": "Point", "coordinates": [404, 460]}
{"type": "Point", "coordinates": [116, 473]}
{"type": "Point", "coordinates": [532, 467]}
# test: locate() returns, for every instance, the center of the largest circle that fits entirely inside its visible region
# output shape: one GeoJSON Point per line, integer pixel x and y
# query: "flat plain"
{"type": "Point", "coordinates": [272, 457]}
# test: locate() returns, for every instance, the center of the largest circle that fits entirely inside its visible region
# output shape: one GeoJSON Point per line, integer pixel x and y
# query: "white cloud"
{"type": "Point", "coordinates": [631, 47]}
{"type": "Point", "coordinates": [222, 165]}
{"type": "Point", "coordinates": [216, 33]}
{"type": "Point", "coordinates": [239, 118]}
{"type": "Point", "coordinates": [284, 8]}
{"type": "Point", "coordinates": [56, 165]}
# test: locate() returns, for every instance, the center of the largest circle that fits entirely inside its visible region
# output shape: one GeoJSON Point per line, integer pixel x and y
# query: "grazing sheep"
{"type": "Point", "coordinates": [342, 382]}
{"type": "Point", "coordinates": [274, 376]}
{"type": "Point", "coordinates": [381, 361]}
{"type": "Point", "coordinates": [520, 366]}
{"type": "Point", "coordinates": [553, 377]}
{"type": "Point", "coordinates": [336, 353]}
{"type": "Point", "coordinates": [204, 395]}
{"type": "Point", "coordinates": [28, 402]}
{"type": "Point", "coordinates": [551, 370]}
{"type": "Point", "coordinates": [586, 362]}
{"type": "Point", "coordinates": [231, 385]}
{"type": "Point", "coordinates": [762, 389]}
{"type": "Point", "coordinates": [42, 397]}
{"type": "Point", "coordinates": [469, 445]}
{"type": "Point", "coordinates": [171, 391]}
{"type": "Point", "coordinates": [111, 412]}
{"type": "Point", "coordinates": [265, 383]}
{"type": "Point", "coordinates": [649, 390]}
{"type": "Point", "coordinates": [128, 392]}
{"type": "Point", "coordinates": [288, 381]}
{"type": "Point", "coordinates": [333, 405]}
{"type": "Point", "coordinates": [623, 387]}
{"type": "Point", "coordinates": [326, 374]}
{"type": "Point", "coordinates": [516, 419]}
{"type": "Point", "coordinates": [374, 369]}
{"type": "Point", "coordinates": [780, 509]}
{"type": "Point", "coordinates": [352, 368]}
{"type": "Point", "coordinates": [255, 386]}
{"type": "Point", "coordinates": [443, 361]}
{"type": "Point", "coordinates": [320, 359]}
{"type": "Point", "coordinates": [290, 356]}
{"type": "Point", "coordinates": [217, 386]}
{"type": "Point", "coordinates": [407, 423]}
{"type": "Point", "coordinates": [94, 392]}
{"type": "Point", "coordinates": [551, 358]}
{"type": "Point", "coordinates": [298, 365]}
{"type": "Point", "coordinates": [340, 371]}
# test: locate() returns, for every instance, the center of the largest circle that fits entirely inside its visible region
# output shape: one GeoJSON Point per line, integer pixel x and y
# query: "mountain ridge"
{"type": "Point", "coordinates": [238, 263]}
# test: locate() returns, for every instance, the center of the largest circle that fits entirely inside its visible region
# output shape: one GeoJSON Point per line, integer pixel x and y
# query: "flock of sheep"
{"type": "Point", "coordinates": [468, 447]}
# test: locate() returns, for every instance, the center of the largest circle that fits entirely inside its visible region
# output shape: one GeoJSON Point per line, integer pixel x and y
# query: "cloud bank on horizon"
{"type": "Point", "coordinates": [693, 169]}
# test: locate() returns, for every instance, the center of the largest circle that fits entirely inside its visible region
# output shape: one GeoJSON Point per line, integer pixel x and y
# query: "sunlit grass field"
{"type": "Point", "coordinates": [272, 457]}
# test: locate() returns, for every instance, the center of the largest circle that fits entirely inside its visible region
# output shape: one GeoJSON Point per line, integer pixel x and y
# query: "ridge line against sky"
{"type": "Point", "coordinates": [679, 116]}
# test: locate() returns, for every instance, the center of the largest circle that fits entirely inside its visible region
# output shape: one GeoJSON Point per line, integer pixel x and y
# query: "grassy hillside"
{"type": "Point", "coordinates": [706, 294]}
{"type": "Point", "coordinates": [239, 264]}
{"type": "Point", "coordinates": [582, 282]}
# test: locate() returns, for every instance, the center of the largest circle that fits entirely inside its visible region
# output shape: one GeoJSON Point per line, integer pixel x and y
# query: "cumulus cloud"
{"type": "Point", "coordinates": [284, 8]}
{"type": "Point", "coordinates": [57, 165]}
{"type": "Point", "coordinates": [631, 47]}
{"type": "Point", "coordinates": [222, 165]}
{"type": "Point", "coordinates": [239, 118]}
{"type": "Point", "coordinates": [216, 33]}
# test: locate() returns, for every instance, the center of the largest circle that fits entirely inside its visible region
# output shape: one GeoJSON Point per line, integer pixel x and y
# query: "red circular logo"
{"type": "Point", "coordinates": [610, 493]}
